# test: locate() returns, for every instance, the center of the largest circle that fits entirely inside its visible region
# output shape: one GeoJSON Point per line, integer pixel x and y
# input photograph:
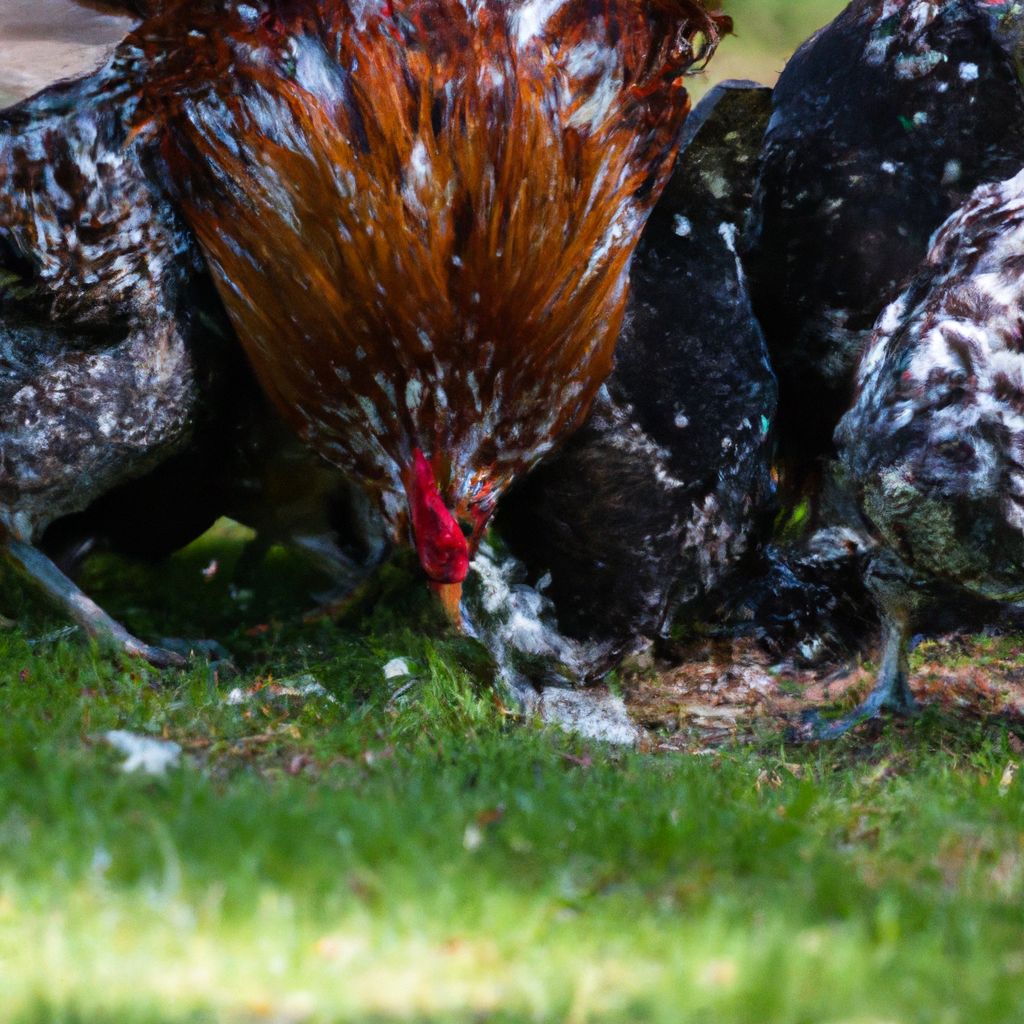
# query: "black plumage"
{"type": "Point", "coordinates": [882, 124]}
{"type": "Point", "coordinates": [662, 494]}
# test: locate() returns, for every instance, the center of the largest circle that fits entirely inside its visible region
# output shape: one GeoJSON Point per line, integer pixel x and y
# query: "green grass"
{"type": "Point", "coordinates": [422, 856]}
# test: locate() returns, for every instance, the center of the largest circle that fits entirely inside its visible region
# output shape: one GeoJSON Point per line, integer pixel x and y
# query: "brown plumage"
{"type": "Point", "coordinates": [420, 216]}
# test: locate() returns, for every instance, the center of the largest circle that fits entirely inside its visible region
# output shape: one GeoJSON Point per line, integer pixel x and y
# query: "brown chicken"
{"type": "Point", "coordinates": [420, 217]}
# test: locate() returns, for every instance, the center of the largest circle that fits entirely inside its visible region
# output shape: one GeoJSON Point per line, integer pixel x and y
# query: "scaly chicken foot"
{"type": "Point", "coordinates": [31, 563]}
{"type": "Point", "coordinates": [891, 692]}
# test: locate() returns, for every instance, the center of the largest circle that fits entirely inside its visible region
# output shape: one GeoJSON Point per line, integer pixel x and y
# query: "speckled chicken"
{"type": "Point", "coordinates": [420, 217]}
{"type": "Point", "coordinates": [882, 125]}
{"type": "Point", "coordinates": [934, 443]}
{"type": "Point", "coordinates": [127, 413]}
{"type": "Point", "coordinates": [108, 337]}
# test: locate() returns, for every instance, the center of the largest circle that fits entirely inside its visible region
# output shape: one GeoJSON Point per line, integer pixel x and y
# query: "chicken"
{"type": "Point", "coordinates": [658, 500]}
{"type": "Point", "coordinates": [111, 347]}
{"type": "Point", "coordinates": [127, 413]}
{"type": "Point", "coordinates": [934, 443]}
{"type": "Point", "coordinates": [244, 464]}
{"type": "Point", "coordinates": [420, 217]}
{"type": "Point", "coordinates": [883, 124]}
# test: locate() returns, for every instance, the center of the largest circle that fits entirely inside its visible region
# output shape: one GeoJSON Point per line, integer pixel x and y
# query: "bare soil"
{"type": "Point", "coordinates": [719, 692]}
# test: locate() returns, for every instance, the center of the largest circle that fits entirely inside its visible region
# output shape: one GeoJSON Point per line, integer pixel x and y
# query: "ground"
{"type": "Point", "coordinates": [407, 849]}
{"type": "Point", "coordinates": [721, 692]}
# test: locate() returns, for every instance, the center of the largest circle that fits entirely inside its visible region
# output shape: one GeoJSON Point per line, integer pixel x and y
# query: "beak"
{"type": "Point", "coordinates": [451, 600]}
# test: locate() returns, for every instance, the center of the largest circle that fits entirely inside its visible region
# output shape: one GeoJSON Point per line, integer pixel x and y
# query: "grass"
{"type": "Point", "coordinates": [418, 855]}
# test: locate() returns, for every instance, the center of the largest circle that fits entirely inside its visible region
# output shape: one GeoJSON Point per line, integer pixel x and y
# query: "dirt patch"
{"type": "Point", "coordinates": [718, 692]}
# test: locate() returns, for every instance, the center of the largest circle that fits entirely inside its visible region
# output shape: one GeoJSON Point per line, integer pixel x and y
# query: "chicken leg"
{"type": "Point", "coordinates": [31, 563]}
{"type": "Point", "coordinates": [897, 593]}
{"type": "Point", "coordinates": [891, 691]}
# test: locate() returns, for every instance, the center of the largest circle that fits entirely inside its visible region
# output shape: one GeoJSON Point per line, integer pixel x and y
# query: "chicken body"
{"type": "Point", "coordinates": [109, 341]}
{"type": "Point", "coordinates": [127, 414]}
{"type": "Point", "coordinates": [658, 499]}
{"type": "Point", "coordinates": [934, 442]}
{"type": "Point", "coordinates": [883, 124]}
{"type": "Point", "coordinates": [935, 439]}
{"type": "Point", "coordinates": [420, 217]}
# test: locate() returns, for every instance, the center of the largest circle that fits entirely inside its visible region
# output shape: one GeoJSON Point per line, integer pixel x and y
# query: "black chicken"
{"type": "Point", "coordinates": [882, 125]}
{"type": "Point", "coordinates": [653, 504]}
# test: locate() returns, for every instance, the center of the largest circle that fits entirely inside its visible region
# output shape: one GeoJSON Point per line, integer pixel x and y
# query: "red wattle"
{"type": "Point", "coordinates": [440, 544]}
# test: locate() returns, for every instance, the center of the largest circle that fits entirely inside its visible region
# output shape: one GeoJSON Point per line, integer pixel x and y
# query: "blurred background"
{"type": "Point", "coordinates": [44, 40]}
{"type": "Point", "coordinates": [766, 34]}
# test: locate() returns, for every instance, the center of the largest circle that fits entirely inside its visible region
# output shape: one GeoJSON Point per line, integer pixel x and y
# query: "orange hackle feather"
{"type": "Point", "coordinates": [420, 214]}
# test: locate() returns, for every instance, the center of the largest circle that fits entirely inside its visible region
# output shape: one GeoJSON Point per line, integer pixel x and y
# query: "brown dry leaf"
{"type": "Point", "coordinates": [715, 692]}
{"type": "Point", "coordinates": [258, 739]}
{"type": "Point", "coordinates": [502, 707]}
